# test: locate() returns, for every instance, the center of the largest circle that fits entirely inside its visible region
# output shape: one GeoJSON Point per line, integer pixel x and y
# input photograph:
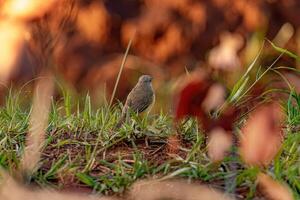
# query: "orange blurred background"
{"type": "Point", "coordinates": [83, 41]}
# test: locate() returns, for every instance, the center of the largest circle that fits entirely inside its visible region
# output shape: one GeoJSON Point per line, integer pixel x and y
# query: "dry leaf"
{"type": "Point", "coordinates": [153, 190]}
{"type": "Point", "coordinates": [219, 143]}
{"type": "Point", "coordinates": [27, 9]}
{"type": "Point", "coordinates": [93, 23]}
{"type": "Point", "coordinates": [215, 97]}
{"type": "Point", "coordinates": [11, 190]}
{"type": "Point", "coordinates": [38, 123]}
{"type": "Point", "coordinates": [272, 189]}
{"type": "Point", "coordinates": [224, 57]}
{"type": "Point", "coordinates": [12, 41]}
{"type": "Point", "coordinates": [262, 135]}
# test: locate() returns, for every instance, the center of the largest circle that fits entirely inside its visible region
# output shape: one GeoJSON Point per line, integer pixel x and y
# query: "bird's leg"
{"type": "Point", "coordinates": [127, 116]}
{"type": "Point", "coordinates": [146, 141]}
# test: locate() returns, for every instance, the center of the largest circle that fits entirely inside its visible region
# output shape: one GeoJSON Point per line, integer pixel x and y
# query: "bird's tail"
{"type": "Point", "coordinates": [121, 121]}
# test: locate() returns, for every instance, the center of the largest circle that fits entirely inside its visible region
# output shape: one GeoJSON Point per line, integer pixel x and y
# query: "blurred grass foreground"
{"type": "Point", "coordinates": [225, 123]}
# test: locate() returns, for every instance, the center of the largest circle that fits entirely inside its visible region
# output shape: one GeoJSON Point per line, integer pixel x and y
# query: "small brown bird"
{"type": "Point", "coordinates": [139, 98]}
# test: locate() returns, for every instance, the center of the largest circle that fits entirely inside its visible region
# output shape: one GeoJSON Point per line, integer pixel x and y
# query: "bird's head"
{"type": "Point", "coordinates": [145, 79]}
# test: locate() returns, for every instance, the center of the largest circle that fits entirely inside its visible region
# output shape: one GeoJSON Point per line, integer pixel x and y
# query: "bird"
{"type": "Point", "coordinates": [139, 98]}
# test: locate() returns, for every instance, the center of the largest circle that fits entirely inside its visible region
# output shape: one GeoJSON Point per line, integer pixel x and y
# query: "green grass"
{"type": "Point", "coordinates": [137, 150]}
{"type": "Point", "coordinates": [83, 149]}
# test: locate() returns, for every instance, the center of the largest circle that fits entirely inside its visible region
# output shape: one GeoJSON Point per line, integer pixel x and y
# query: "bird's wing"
{"type": "Point", "coordinates": [126, 105]}
{"type": "Point", "coordinates": [140, 102]}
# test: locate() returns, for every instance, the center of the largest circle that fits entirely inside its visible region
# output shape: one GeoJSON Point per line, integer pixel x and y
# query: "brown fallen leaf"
{"type": "Point", "coordinates": [224, 56]}
{"type": "Point", "coordinates": [11, 190]}
{"type": "Point", "coordinates": [174, 189]}
{"type": "Point", "coordinates": [38, 123]}
{"type": "Point", "coordinates": [272, 189]}
{"type": "Point", "coordinates": [262, 135]}
{"type": "Point", "coordinates": [12, 42]}
{"type": "Point", "coordinates": [27, 9]}
{"type": "Point", "coordinates": [97, 15]}
{"type": "Point", "coordinates": [215, 98]}
{"type": "Point", "coordinates": [219, 143]}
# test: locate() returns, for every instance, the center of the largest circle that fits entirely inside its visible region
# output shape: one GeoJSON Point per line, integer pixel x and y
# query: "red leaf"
{"type": "Point", "coordinates": [195, 100]}
{"type": "Point", "coordinates": [191, 97]}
